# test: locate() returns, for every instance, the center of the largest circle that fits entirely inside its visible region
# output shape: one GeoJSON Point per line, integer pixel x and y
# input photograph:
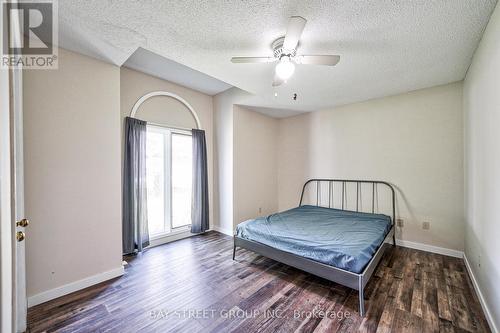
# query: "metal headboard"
{"type": "Point", "coordinates": [344, 182]}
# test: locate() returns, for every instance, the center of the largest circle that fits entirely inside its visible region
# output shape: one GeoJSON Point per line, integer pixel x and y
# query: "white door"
{"type": "Point", "coordinates": [18, 195]}
{"type": "Point", "coordinates": [13, 275]}
{"type": "Point", "coordinates": [14, 154]}
{"type": "Point", "coordinates": [6, 225]}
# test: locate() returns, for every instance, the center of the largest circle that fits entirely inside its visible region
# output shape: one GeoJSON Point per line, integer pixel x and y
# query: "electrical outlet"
{"type": "Point", "coordinates": [400, 223]}
{"type": "Point", "coordinates": [260, 210]}
{"type": "Point", "coordinates": [426, 225]}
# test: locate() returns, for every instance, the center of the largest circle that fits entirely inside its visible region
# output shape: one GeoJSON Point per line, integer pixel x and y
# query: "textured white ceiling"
{"type": "Point", "coordinates": [386, 47]}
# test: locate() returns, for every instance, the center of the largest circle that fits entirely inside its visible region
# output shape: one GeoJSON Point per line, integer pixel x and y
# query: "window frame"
{"type": "Point", "coordinates": [185, 133]}
{"type": "Point", "coordinates": [167, 167]}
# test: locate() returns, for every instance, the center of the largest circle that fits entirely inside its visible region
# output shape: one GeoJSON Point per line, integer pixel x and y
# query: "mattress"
{"type": "Point", "coordinates": [343, 239]}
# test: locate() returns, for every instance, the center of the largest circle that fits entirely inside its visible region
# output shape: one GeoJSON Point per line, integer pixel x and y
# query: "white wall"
{"type": "Point", "coordinates": [412, 140]}
{"type": "Point", "coordinates": [168, 111]}
{"type": "Point", "coordinates": [72, 183]}
{"type": "Point", "coordinates": [255, 164]}
{"type": "Point", "coordinates": [482, 160]}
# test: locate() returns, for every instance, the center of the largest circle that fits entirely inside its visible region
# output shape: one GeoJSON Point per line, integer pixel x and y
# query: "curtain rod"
{"type": "Point", "coordinates": [173, 127]}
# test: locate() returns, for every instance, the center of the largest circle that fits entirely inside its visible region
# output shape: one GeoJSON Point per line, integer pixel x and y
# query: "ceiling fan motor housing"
{"type": "Point", "coordinates": [279, 51]}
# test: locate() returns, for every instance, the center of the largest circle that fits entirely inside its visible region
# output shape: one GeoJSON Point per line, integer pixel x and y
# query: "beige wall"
{"type": "Point", "coordinates": [255, 164]}
{"type": "Point", "coordinates": [73, 120]}
{"type": "Point", "coordinates": [482, 157]}
{"type": "Point", "coordinates": [71, 156]}
{"type": "Point", "coordinates": [412, 140]}
{"type": "Point", "coordinates": [168, 111]}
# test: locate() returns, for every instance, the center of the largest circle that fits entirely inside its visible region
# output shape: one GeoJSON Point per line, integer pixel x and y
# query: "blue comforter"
{"type": "Point", "coordinates": [343, 239]}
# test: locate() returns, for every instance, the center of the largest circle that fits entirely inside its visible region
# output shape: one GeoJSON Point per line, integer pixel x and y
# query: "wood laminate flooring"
{"type": "Point", "coordinates": [192, 285]}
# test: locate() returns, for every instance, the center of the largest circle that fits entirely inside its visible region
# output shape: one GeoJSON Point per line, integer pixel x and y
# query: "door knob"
{"type": "Point", "coordinates": [23, 223]}
{"type": "Point", "coordinates": [20, 236]}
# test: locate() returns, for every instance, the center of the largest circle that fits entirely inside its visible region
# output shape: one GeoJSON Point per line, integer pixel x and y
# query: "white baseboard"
{"type": "Point", "coordinates": [223, 230]}
{"type": "Point", "coordinates": [430, 248]}
{"type": "Point", "coordinates": [74, 286]}
{"type": "Point", "coordinates": [486, 310]}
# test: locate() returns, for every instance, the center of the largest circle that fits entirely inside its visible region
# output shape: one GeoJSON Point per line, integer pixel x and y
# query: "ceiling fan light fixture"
{"type": "Point", "coordinates": [285, 68]}
{"type": "Point", "coordinates": [285, 53]}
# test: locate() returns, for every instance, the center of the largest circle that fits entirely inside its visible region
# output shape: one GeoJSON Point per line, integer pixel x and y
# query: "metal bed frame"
{"type": "Point", "coordinates": [356, 281]}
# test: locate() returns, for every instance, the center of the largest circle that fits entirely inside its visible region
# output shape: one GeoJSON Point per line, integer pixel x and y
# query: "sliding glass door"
{"type": "Point", "coordinates": [169, 178]}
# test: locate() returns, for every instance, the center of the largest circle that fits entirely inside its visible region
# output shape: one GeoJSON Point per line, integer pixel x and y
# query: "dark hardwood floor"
{"type": "Point", "coordinates": [192, 285]}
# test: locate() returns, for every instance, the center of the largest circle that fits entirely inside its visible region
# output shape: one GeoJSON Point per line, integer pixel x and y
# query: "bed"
{"type": "Point", "coordinates": [339, 244]}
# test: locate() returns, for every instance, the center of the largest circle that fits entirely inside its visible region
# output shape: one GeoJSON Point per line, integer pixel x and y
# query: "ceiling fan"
{"type": "Point", "coordinates": [285, 52]}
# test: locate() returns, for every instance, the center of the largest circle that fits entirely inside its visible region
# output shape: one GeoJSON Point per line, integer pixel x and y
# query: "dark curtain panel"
{"type": "Point", "coordinates": [199, 203]}
{"type": "Point", "coordinates": [135, 217]}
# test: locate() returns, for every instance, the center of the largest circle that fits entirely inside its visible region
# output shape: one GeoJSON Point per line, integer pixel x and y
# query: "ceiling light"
{"type": "Point", "coordinates": [285, 68]}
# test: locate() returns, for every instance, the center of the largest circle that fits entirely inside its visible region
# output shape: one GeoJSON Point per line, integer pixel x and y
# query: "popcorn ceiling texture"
{"type": "Point", "coordinates": [386, 47]}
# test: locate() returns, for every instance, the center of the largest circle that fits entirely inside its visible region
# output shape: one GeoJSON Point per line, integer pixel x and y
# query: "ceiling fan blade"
{"type": "Point", "coordinates": [328, 60]}
{"type": "Point", "coordinates": [277, 81]}
{"type": "Point", "coordinates": [293, 32]}
{"type": "Point", "coordinates": [251, 60]}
